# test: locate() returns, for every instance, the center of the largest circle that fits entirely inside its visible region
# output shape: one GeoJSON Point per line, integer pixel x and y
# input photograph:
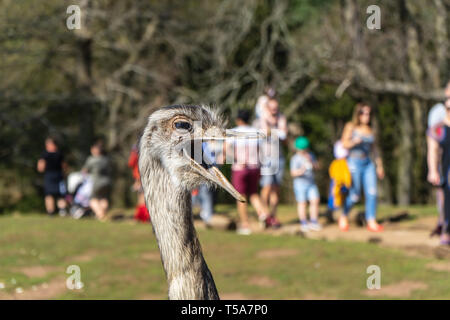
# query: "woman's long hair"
{"type": "Point", "coordinates": [357, 111]}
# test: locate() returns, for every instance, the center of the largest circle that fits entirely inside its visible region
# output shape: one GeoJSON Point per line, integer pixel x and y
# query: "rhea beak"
{"type": "Point", "coordinates": [212, 173]}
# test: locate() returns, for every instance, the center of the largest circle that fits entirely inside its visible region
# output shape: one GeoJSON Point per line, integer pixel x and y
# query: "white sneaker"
{"type": "Point", "coordinates": [314, 226]}
{"type": "Point", "coordinates": [304, 227]}
{"type": "Point", "coordinates": [262, 217]}
{"type": "Point", "coordinates": [244, 231]}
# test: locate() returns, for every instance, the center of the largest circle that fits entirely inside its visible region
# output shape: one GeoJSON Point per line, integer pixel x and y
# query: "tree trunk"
{"type": "Point", "coordinates": [420, 151]}
{"type": "Point", "coordinates": [383, 186]}
{"type": "Point", "coordinates": [405, 154]}
{"type": "Point", "coordinates": [441, 36]}
{"type": "Point", "coordinates": [86, 108]}
{"type": "Point", "coordinates": [415, 72]}
{"type": "Point", "coordinates": [84, 81]}
{"type": "Point", "coordinates": [352, 25]}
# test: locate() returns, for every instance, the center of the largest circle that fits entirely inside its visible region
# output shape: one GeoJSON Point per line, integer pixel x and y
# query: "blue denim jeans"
{"type": "Point", "coordinates": [363, 176]}
{"type": "Point", "coordinates": [305, 190]}
{"type": "Point", "coordinates": [277, 177]}
{"type": "Point", "coordinates": [205, 199]}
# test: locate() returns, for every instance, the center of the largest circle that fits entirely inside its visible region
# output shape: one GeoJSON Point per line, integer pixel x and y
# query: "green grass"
{"type": "Point", "coordinates": [117, 267]}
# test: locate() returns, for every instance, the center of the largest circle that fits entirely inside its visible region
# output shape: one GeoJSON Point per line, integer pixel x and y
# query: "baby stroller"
{"type": "Point", "coordinates": [79, 186]}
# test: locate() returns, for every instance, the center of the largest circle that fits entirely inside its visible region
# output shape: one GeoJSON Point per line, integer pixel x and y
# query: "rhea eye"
{"type": "Point", "coordinates": [183, 125]}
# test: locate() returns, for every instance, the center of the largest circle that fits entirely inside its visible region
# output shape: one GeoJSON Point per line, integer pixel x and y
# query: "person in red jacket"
{"type": "Point", "coordinates": [141, 212]}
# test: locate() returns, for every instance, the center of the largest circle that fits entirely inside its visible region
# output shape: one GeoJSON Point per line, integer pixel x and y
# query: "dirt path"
{"type": "Point", "coordinates": [44, 291]}
{"type": "Point", "coordinates": [36, 271]}
{"type": "Point", "coordinates": [397, 290]}
{"type": "Point", "coordinates": [412, 237]}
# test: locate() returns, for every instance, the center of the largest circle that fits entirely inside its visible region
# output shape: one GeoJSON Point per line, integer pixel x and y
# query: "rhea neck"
{"type": "Point", "coordinates": [170, 207]}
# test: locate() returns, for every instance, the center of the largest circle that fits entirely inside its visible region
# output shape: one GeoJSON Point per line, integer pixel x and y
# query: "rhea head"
{"type": "Point", "coordinates": [174, 137]}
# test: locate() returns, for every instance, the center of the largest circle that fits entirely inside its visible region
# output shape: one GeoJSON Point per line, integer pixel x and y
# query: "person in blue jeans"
{"type": "Point", "coordinates": [358, 137]}
{"type": "Point", "coordinates": [302, 168]}
{"type": "Point", "coordinates": [439, 154]}
{"type": "Point", "coordinates": [205, 199]}
{"type": "Point", "coordinates": [205, 196]}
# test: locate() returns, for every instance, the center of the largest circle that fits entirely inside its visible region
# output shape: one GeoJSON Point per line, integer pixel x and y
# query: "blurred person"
{"type": "Point", "coordinates": [52, 164]}
{"type": "Point", "coordinates": [245, 172]}
{"type": "Point", "coordinates": [340, 180]}
{"type": "Point", "coordinates": [99, 167]}
{"type": "Point", "coordinates": [140, 213]}
{"type": "Point", "coordinates": [274, 125]}
{"type": "Point", "coordinates": [302, 167]}
{"type": "Point", "coordinates": [204, 196]}
{"type": "Point", "coordinates": [261, 103]}
{"type": "Point", "coordinates": [359, 138]}
{"type": "Point", "coordinates": [436, 116]}
{"type": "Point", "coordinates": [439, 147]}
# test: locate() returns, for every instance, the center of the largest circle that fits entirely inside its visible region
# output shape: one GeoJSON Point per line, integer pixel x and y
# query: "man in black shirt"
{"type": "Point", "coordinates": [51, 163]}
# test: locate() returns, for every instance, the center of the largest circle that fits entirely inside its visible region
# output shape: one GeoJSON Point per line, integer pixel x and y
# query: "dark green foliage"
{"type": "Point", "coordinates": [131, 57]}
